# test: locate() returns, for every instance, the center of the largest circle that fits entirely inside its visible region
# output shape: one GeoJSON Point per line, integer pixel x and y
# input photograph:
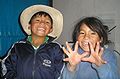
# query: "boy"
{"type": "Point", "coordinates": [37, 56]}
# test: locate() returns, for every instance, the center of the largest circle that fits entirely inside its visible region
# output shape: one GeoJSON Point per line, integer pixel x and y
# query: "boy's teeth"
{"type": "Point", "coordinates": [41, 29]}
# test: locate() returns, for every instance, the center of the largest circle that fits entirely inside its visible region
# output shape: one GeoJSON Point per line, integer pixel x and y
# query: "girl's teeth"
{"type": "Point", "coordinates": [85, 42]}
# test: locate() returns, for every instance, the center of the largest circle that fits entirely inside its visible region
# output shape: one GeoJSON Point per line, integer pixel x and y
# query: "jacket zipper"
{"type": "Point", "coordinates": [33, 72]}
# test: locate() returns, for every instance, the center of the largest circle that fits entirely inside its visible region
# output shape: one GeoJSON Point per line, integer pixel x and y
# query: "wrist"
{"type": "Point", "coordinates": [71, 68]}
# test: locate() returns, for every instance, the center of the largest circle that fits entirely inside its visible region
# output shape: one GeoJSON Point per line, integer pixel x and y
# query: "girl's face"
{"type": "Point", "coordinates": [86, 35]}
{"type": "Point", "coordinates": [41, 26]}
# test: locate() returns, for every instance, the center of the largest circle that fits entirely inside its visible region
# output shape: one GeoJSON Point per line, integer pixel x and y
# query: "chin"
{"type": "Point", "coordinates": [86, 50]}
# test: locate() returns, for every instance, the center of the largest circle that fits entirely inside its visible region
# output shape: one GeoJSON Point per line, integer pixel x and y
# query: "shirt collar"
{"type": "Point", "coordinates": [29, 38]}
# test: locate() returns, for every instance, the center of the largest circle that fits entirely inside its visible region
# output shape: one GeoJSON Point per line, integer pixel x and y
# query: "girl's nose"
{"type": "Point", "coordinates": [86, 36]}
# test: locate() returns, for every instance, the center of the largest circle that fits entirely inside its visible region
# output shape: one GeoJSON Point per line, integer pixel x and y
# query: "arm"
{"type": "Point", "coordinates": [58, 62]}
{"type": "Point", "coordinates": [1, 74]}
{"type": "Point", "coordinates": [103, 61]}
{"type": "Point", "coordinates": [105, 69]}
{"type": "Point", "coordinates": [108, 70]}
{"type": "Point", "coordinates": [73, 61]}
{"type": "Point", "coordinates": [67, 74]}
{"type": "Point", "coordinates": [10, 64]}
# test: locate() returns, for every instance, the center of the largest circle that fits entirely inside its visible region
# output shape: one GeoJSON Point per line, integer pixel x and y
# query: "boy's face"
{"type": "Point", "coordinates": [87, 36]}
{"type": "Point", "coordinates": [41, 26]}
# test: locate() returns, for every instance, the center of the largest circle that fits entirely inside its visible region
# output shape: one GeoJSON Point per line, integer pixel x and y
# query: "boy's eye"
{"type": "Point", "coordinates": [47, 22]}
{"type": "Point", "coordinates": [37, 20]}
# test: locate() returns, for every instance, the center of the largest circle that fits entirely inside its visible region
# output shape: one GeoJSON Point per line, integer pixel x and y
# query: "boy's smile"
{"type": "Point", "coordinates": [41, 26]}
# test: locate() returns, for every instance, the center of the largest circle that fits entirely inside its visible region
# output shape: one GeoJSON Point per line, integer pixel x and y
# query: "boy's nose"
{"type": "Point", "coordinates": [42, 23]}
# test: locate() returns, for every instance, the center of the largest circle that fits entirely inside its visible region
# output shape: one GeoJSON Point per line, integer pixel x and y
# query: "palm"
{"type": "Point", "coordinates": [74, 57]}
{"type": "Point", "coordinates": [95, 56]}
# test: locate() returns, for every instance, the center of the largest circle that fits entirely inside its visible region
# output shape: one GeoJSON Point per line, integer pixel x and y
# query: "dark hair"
{"type": "Point", "coordinates": [41, 13]}
{"type": "Point", "coordinates": [95, 25]}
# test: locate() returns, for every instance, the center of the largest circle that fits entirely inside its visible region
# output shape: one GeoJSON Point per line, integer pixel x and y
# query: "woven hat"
{"type": "Point", "coordinates": [54, 13]}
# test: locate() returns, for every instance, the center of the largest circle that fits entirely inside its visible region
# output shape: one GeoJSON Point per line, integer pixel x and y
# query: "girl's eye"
{"type": "Point", "coordinates": [93, 33]}
{"type": "Point", "coordinates": [82, 33]}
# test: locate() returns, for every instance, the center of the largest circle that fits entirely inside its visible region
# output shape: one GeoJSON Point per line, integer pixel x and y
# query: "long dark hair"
{"type": "Point", "coordinates": [95, 24]}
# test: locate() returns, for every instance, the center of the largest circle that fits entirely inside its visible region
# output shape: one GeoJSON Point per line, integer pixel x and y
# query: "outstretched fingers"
{"type": "Point", "coordinates": [65, 51]}
{"type": "Point", "coordinates": [91, 48]}
{"type": "Point", "coordinates": [97, 47]}
{"type": "Point", "coordinates": [76, 47]}
{"type": "Point", "coordinates": [68, 47]}
{"type": "Point", "coordinates": [100, 55]}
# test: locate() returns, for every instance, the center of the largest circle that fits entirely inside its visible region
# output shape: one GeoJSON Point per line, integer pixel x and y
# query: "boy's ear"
{"type": "Point", "coordinates": [51, 30]}
{"type": "Point", "coordinates": [29, 27]}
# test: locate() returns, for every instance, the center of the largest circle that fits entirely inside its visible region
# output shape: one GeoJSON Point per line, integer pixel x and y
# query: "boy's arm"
{"type": "Point", "coordinates": [10, 64]}
{"type": "Point", "coordinates": [58, 61]}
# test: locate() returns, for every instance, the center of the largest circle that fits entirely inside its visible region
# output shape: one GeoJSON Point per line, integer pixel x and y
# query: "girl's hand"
{"type": "Point", "coordinates": [95, 55]}
{"type": "Point", "coordinates": [74, 57]}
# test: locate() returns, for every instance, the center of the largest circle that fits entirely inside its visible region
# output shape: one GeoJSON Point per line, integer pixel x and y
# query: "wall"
{"type": "Point", "coordinates": [10, 30]}
{"type": "Point", "coordinates": [72, 10]}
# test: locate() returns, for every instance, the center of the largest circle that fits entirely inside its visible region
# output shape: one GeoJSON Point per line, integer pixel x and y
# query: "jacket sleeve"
{"type": "Point", "coordinates": [68, 74]}
{"type": "Point", "coordinates": [106, 71]}
{"type": "Point", "coordinates": [58, 62]}
{"type": "Point", "coordinates": [110, 69]}
{"type": "Point", "coordinates": [10, 64]}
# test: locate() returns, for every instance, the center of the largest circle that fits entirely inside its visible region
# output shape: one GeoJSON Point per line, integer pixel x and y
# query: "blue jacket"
{"type": "Point", "coordinates": [24, 62]}
{"type": "Point", "coordinates": [86, 70]}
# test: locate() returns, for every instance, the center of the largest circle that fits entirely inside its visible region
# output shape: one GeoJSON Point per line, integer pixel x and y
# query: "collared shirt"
{"type": "Point", "coordinates": [29, 38]}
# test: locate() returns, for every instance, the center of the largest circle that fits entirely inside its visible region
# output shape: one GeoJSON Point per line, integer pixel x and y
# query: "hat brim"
{"type": "Point", "coordinates": [54, 13]}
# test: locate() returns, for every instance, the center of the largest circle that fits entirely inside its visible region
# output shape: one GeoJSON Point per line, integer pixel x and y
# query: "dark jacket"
{"type": "Point", "coordinates": [1, 75]}
{"type": "Point", "coordinates": [24, 62]}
